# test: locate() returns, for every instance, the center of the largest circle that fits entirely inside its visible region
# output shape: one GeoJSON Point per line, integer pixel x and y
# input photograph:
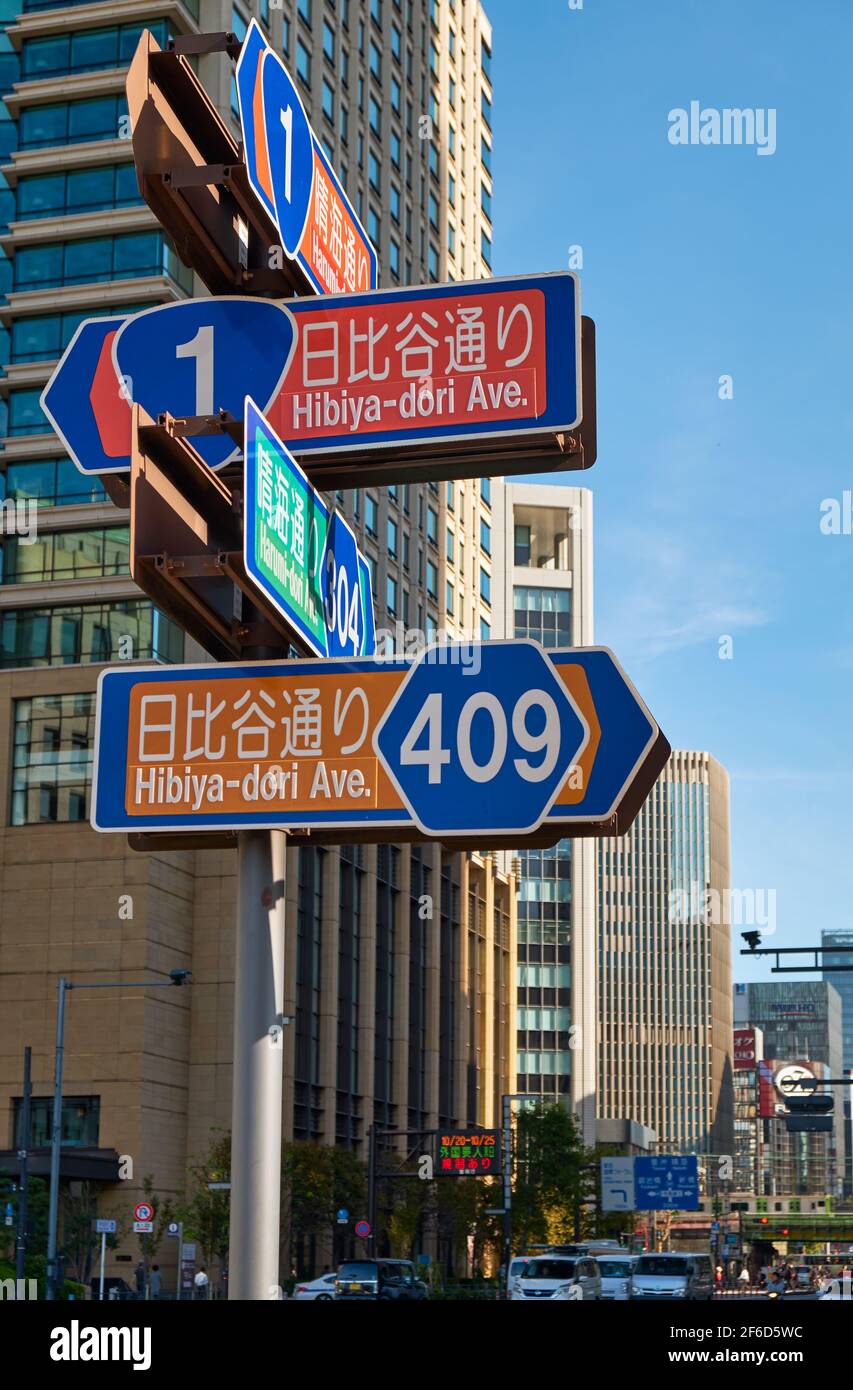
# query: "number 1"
{"type": "Point", "coordinates": [201, 348]}
{"type": "Point", "coordinates": [287, 122]}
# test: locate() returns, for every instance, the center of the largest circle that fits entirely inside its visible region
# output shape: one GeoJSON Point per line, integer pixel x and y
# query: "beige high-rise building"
{"type": "Point", "coordinates": [664, 964]}
{"type": "Point", "coordinates": [399, 1018]}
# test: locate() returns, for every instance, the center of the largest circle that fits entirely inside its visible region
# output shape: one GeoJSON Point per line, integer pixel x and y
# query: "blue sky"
{"type": "Point", "coordinates": [701, 261]}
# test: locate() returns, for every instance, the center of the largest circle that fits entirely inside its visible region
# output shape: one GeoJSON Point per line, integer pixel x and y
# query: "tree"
{"type": "Point", "coordinates": [206, 1215]}
{"type": "Point", "coordinates": [317, 1180]}
{"type": "Point", "coordinates": [554, 1175]}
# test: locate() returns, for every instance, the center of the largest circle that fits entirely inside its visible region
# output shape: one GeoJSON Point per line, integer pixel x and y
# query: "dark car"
{"type": "Point", "coordinates": [362, 1280]}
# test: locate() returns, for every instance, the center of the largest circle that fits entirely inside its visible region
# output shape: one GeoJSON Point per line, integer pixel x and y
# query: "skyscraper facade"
{"type": "Point", "coordinates": [664, 963]}
{"type": "Point", "coordinates": [398, 976]}
{"type": "Point", "coordinates": [546, 594]}
{"type": "Point", "coordinates": [801, 1021]}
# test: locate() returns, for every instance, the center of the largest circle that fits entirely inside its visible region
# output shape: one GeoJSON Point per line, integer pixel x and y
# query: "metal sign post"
{"type": "Point", "coordinates": [258, 1057]}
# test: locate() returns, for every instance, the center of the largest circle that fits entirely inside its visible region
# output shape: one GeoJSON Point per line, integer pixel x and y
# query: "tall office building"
{"type": "Point", "coordinates": [398, 1018]}
{"type": "Point", "coordinates": [545, 534]}
{"type": "Point", "coordinates": [801, 1021]}
{"type": "Point", "coordinates": [664, 963]}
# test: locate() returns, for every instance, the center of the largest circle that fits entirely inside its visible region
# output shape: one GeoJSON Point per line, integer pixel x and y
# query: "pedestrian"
{"type": "Point", "coordinates": [154, 1282]}
{"type": "Point", "coordinates": [140, 1279]}
{"type": "Point", "coordinates": [201, 1283]}
{"type": "Point", "coordinates": [743, 1277]}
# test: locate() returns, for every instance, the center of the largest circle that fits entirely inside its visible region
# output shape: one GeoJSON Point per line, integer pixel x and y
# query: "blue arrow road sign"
{"type": "Point", "coordinates": [304, 559]}
{"type": "Point", "coordinates": [292, 178]}
{"type": "Point", "coordinates": [484, 740]}
{"type": "Point", "coordinates": [666, 1182]}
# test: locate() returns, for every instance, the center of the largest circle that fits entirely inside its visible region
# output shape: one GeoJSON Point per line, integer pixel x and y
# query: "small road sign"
{"type": "Point", "coordinates": [143, 1228]}
{"type": "Point", "coordinates": [486, 373]}
{"type": "Point", "coordinates": [617, 1184]}
{"type": "Point", "coordinates": [173, 1228]}
{"type": "Point", "coordinates": [304, 559]}
{"type": "Point", "coordinates": [362, 1228]}
{"type": "Point", "coordinates": [342, 1216]}
{"type": "Point", "coordinates": [491, 740]}
{"type": "Point", "coordinates": [105, 1226]}
{"type": "Point", "coordinates": [291, 176]}
{"type": "Point", "coordinates": [143, 1211]}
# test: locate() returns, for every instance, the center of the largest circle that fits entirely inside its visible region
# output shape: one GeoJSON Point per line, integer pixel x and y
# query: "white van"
{"type": "Point", "coordinates": [615, 1270]}
{"type": "Point", "coordinates": [686, 1276]}
{"type": "Point", "coordinates": [560, 1277]}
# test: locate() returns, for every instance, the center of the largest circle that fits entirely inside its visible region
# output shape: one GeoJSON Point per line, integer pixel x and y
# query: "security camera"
{"type": "Point", "coordinates": [179, 977]}
{"type": "Point", "coordinates": [752, 939]}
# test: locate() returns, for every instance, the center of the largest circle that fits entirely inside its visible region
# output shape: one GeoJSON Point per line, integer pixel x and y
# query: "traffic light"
{"type": "Point", "coordinates": [809, 1114]}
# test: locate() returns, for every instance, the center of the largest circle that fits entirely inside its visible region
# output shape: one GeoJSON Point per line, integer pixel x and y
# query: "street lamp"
{"type": "Point", "coordinates": [176, 978]}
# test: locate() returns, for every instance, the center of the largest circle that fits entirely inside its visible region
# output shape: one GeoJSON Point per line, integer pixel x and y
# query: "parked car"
{"type": "Point", "coordinates": [320, 1290]}
{"type": "Point", "coordinates": [615, 1271]}
{"type": "Point", "coordinates": [559, 1277]}
{"type": "Point", "coordinates": [361, 1280]}
{"type": "Point", "coordinates": [687, 1276]}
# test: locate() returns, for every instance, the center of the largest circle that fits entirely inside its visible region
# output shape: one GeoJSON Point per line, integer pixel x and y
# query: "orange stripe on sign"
{"type": "Point", "coordinates": [575, 680]}
{"type": "Point", "coordinates": [263, 172]}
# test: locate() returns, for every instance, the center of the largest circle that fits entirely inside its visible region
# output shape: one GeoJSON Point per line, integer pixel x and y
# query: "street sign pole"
{"type": "Point", "coordinates": [55, 1144]}
{"type": "Point", "coordinates": [258, 1062]}
{"type": "Point", "coordinates": [103, 1260]}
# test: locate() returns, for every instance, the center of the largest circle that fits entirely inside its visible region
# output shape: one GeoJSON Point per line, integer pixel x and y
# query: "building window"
{"type": "Point", "coordinates": [89, 632]}
{"type": "Point", "coordinates": [395, 149]}
{"type": "Point", "coordinates": [391, 535]}
{"type": "Point", "coordinates": [394, 257]}
{"type": "Point", "coordinates": [433, 263]}
{"type": "Point", "coordinates": [328, 41]}
{"type": "Point", "coordinates": [391, 595]}
{"type": "Point", "coordinates": [304, 9]}
{"type": "Point", "coordinates": [375, 117]}
{"type": "Point", "coordinates": [485, 586]}
{"type": "Point", "coordinates": [432, 525]}
{"type": "Point", "coordinates": [90, 260]}
{"type": "Point", "coordinates": [79, 1126]}
{"type": "Point", "coordinates": [375, 61]}
{"type": "Point", "coordinates": [449, 598]}
{"type": "Point", "coordinates": [303, 63]}
{"type": "Point", "coordinates": [71, 122]}
{"type": "Point", "coordinates": [486, 108]}
{"type": "Point", "coordinates": [86, 50]}
{"type": "Point", "coordinates": [371, 513]}
{"type": "Point", "coordinates": [486, 248]}
{"type": "Point", "coordinates": [66, 555]}
{"type": "Point", "coordinates": [373, 172]}
{"type": "Point", "coordinates": [544, 614]}
{"type": "Point", "coordinates": [485, 630]}
{"type": "Point", "coordinates": [52, 759]}
{"type": "Point", "coordinates": [486, 59]}
{"type": "Point", "coordinates": [486, 201]}
{"type": "Point", "coordinates": [431, 579]}
{"type": "Point", "coordinates": [46, 336]}
{"type": "Point", "coordinates": [486, 155]}
{"type": "Point", "coordinates": [450, 539]}
{"type": "Point", "coordinates": [328, 102]}
{"type": "Point", "coordinates": [79, 190]}
{"type": "Point", "coordinates": [486, 491]}
{"type": "Point", "coordinates": [486, 537]}
{"type": "Point", "coordinates": [50, 483]}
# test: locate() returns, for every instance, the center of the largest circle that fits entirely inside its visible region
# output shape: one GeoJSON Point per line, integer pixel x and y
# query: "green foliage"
{"type": "Point", "coordinates": [553, 1175]}
{"type": "Point", "coordinates": [318, 1179]}
{"type": "Point", "coordinates": [207, 1215]}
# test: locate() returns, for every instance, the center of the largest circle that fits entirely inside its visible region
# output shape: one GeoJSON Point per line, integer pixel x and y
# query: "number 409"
{"type": "Point", "coordinates": [435, 756]}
